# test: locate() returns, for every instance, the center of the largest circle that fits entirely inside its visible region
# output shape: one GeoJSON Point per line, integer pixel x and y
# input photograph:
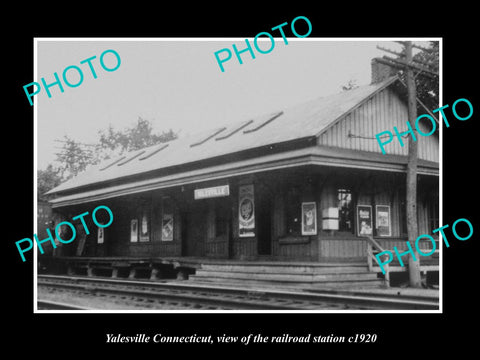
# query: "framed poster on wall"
{"type": "Point", "coordinates": [167, 219]}
{"type": "Point", "coordinates": [364, 220]}
{"type": "Point", "coordinates": [144, 235]}
{"type": "Point", "coordinates": [246, 211]}
{"type": "Point", "coordinates": [134, 230]}
{"type": "Point", "coordinates": [100, 235]}
{"type": "Point", "coordinates": [167, 227]}
{"type": "Point", "coordinates": [383, 223]}
{"type": "Point", "coordinates": [309, 218]}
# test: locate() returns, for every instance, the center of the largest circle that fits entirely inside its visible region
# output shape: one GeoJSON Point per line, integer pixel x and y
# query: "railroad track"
{"type": "Point", "coordinates": [169, 295]}
{"type": "Point", "coordinates": [55, 305]}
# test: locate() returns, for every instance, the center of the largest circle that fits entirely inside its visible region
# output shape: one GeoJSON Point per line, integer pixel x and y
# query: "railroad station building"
{"type": "Point", "coordinates": [301, 184]}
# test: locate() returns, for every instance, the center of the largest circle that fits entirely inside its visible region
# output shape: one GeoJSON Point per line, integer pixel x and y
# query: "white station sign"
{"type": "Point", "coordinates": [212, 192]}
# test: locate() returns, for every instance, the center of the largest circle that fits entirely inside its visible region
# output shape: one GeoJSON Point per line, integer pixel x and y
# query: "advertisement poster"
{"type": "Point", "coordinates": [100, 236]}
{"type": "Point", "coordinates": [364, 220]}
{"type": "Point", "coordinates": [309, 218]}
{"type": "Point", "coordinates": [246, 211]}
{"type": "Point", "coordinates": [167, 227]}
{"type": "Point", "coordinates": [144, 237]}
{"type": "Point", "coordinates": [382, 220]}
{"type": "Point", "coordinates": [134, 230]}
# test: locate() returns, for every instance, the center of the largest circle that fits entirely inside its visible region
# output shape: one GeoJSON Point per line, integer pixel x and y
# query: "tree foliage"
{"type": "Point", "coordinates": [47, 179]}
{"type": "Point", "coordinates": [74, 156]}
{"type": "Point", "coordinates": [427, 87]}
{"type": "Point", "coordinates": [136, 137]}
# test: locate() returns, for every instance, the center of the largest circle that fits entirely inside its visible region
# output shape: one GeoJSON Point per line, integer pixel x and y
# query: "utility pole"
{"type": "Point", "coordinates": [412, 223]}
{"type": "Point", "coordinates": [405, 61]}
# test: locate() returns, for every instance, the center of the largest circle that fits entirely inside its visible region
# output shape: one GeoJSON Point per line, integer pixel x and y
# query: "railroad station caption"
{"type": "Point", "coordinates": [245, 340]}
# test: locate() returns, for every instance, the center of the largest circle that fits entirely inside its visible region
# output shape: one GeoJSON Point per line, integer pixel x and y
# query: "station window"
{"type": "Point", "coordinates": [345, 210]}
{"type": "Point", "coordinates": [293, 211]}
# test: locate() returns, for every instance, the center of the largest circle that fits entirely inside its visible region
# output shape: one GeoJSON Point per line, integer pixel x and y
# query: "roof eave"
{"type": "Point", "coordinates": [315, 156]}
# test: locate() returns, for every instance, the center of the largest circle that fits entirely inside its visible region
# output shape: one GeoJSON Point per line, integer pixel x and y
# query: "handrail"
{"type": "Point", "coordinates": [374, 246]}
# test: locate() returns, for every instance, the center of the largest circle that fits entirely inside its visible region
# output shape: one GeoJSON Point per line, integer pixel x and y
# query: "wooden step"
{"type": "Point", "coordinates": [287, 277]}
{"type": "Point", "coordinates": [281, 283]}
{"type": "Point", "coordinates": [280, 274]}
{"type": "Point", "coordinates": [283, 269]}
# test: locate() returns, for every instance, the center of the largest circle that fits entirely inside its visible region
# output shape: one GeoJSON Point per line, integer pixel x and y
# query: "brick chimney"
{"type": "Point", "coordinates": [380, 71]}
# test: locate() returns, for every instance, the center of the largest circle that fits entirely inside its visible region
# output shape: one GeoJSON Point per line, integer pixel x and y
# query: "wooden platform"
{"type": "Point", "coordinates": [223, 271]}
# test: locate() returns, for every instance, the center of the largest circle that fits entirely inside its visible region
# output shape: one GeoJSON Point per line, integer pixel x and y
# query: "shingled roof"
{"type": "Point", "coordinates": [301, 121]}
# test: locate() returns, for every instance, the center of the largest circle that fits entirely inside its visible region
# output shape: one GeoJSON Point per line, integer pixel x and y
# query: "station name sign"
{"type": "Point", "coordinates": [212, 192]}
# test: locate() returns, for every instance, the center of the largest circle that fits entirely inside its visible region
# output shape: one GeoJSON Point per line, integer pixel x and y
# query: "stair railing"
{"type": "Point", "coordinates": [374, 248]}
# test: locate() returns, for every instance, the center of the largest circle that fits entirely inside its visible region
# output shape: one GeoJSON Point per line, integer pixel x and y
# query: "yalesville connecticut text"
{"type": "Point", "coordinates": [73, 80]}
{"type": "Point", "coordinates": [245, 340]}
{"type": "Point", "coordinates": [61, 226]}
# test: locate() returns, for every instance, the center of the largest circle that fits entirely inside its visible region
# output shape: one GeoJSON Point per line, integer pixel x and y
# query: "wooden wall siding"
{"type": "Point", "coordinates": [299, 252]}
{"type": "Point", "coordinates": [389, 244]}
{"type": "Point", "coordinates": [357, 248]}
{"type": "Point", "coordinates": [216, 248]}
{"type": "Point", "coordinates": [342, 249]}
{"type": "Point", "coordinates": [156, 222]}
{"type": "Point", "coordinates": [117, 236]}
{"type": "Point", "coordinates": [245, 248]}
{"type": "Point", "coordinates": [210, 220]}
{"type": "Point", "coordinates": [422, 216]}
{"type": "Point", "coordinates": [380, 113]}
{"type": "Point", "coordinates": [395, 213]}
{"type": "Point", "coordinates": [278, 222]}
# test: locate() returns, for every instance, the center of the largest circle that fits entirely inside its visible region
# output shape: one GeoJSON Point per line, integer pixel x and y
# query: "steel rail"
{"type": "Point", "coordinates": [55, 305]}
{"type": "Point", "coordinates": [240, 297]}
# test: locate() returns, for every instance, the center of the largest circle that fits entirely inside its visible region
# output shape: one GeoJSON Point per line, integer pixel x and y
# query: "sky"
{"type": "Point", "coordinates": [177, 84]}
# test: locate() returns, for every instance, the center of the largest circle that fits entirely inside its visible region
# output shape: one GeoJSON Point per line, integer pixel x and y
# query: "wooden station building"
{"type": "Point", "coordinates": [304, 184]}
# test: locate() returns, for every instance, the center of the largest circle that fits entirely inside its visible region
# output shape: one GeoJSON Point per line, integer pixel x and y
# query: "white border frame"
{"type": "Point", "coordinates": [331, 39]}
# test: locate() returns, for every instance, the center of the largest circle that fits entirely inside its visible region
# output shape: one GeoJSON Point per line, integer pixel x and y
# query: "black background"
{"type": "Point", "coordinates": [59, 335]}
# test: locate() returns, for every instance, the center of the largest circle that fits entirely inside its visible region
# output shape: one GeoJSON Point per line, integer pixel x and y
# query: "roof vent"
{"type": "Point", "coordinates": [156, 150]}
{"type": "Point", "coordinates": [113, 163]}
{"type": "Point", "coordinates": [130, 158]}
{"type": "Point", "coordinates": [234, 130]}
{"type": "Point", "coordinates": [208, 137]}
{"type": "Point", "coordinates": [263, 123]}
